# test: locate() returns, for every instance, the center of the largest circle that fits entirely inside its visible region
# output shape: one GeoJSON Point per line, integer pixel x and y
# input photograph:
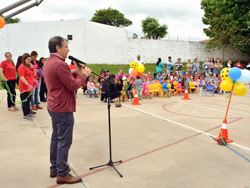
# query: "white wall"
{"type": "Point", "coordinates": [98, 43]}
{"type": "Point", "coordinates": [26, 37]}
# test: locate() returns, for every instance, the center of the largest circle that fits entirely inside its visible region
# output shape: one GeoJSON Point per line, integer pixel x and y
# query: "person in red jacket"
{"type": "Point", "coordinates": [61, 104]}
{"type": "Point", "coordinates": [8, 73]}
{"type": "Point", "coordinates": [238, 64]}
{"type": "Point", "coordinates": [26, 85]}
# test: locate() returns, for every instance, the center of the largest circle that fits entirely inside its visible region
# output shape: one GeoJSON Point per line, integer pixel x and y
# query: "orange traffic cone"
{"type": "Point", "coordinates": [223, 132]}
{"type": "Point", "coordinates": [136, 100]}
{"type": "Point", "coordinates": [186, 95]}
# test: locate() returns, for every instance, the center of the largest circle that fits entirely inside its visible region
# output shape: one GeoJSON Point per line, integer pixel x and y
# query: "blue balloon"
{"type": "Point", "coordinates": [235, 73]}
{"type": "Point", "coordinates": [245, 76]}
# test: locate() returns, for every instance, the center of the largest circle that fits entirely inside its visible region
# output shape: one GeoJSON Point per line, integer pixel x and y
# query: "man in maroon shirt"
{"type": "Point", "coordinates": [61, 104]}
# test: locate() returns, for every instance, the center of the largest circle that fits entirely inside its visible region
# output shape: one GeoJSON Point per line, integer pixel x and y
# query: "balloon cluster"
{"type": "Point", "coordinates": [235, 78]}
{"type": "Point", "coordinates": [136, 69]}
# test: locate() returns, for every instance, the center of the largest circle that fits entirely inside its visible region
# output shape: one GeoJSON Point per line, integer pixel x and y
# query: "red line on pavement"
{"type": "Point", "coordinates": [147, 153]}
{"type": "Point", "coordinates": [164, 108]}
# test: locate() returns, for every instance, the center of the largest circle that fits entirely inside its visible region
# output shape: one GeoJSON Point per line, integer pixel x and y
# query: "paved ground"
{"type": "Point", "coordinates": [163, 143]}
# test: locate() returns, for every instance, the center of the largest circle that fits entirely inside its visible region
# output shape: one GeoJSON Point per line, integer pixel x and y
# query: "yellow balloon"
{"type": "Point", "coordinates": [226, 85]}
{"type": "Point", "coordinates": [225, 74]}
{"type": "Point", "coordinates": [240, 89]}
{"type": "Point", "coordinates": [133, 65]}
{"type": "Point", "coordinates": [141, 68]}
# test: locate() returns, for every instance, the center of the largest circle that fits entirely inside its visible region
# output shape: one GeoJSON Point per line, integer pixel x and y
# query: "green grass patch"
{"type": "Point", "coordinates": [114, 69]}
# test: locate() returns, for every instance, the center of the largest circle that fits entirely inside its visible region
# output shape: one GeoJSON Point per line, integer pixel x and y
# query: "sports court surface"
{"type": "Point", "coordinates": [164, 142]}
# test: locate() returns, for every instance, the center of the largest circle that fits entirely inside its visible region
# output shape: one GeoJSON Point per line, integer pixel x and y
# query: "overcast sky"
{"type": "Point", "coordinates": [183, 17]}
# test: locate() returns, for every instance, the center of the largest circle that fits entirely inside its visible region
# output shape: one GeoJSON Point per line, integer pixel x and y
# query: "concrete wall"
{"type": "Point", "coordinates": [98, 43]}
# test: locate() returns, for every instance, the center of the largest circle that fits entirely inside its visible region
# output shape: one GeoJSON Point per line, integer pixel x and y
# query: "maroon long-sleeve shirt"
{"type": "Point", "coordinates": [61, 85]}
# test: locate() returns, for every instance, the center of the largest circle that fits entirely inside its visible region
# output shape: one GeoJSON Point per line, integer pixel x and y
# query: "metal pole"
{"type": "Point", "coordinates": [14, 5]}
{"type": "Point", "coordinates": [19, 11]}
{"type": "Point", "coordinates": [229, 102]}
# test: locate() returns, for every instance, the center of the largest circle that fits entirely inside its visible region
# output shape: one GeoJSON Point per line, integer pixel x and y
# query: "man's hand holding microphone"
{"type": "Point", "coordinates": [82, 70]}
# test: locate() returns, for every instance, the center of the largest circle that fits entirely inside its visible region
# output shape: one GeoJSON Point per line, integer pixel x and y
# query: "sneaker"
{"type": "Point", "coordinates": [129, 100]}
{"type": "Point", "coordinates": [27, 118]}
{"type": "Point", "coordinates": [32, 112]}
{"type": "Point", "coordinates": [31, 115]}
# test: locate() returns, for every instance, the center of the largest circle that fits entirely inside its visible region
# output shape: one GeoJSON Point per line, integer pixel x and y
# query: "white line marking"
{"type": "Point", "coordinates": [182, 125]}
{"type": "Point", "coordinates": [39, 126]}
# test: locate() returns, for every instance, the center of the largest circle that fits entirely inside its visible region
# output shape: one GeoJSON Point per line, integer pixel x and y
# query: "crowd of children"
{"type": "Point", "coordinates": [126, 84]}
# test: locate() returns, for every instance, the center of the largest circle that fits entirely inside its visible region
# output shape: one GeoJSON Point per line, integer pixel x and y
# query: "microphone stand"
{"type": "Point", "coordinates": [110, 163]}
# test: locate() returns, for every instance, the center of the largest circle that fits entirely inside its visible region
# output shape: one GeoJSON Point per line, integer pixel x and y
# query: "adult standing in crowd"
{"type": "Point", "coordinates": [170, 65]}
{"type": "Point", "coordinates": [139, 60]}
{"type": "Point", "coordinates": [18, 63]}
{"type": "Point", "coordinates": [61, 104]}
{"type": "Point", "coordinates": [178, 66]}
{"type": "Point", "coordinates": [217, 66]}
{"type": "Point", "coordinates": [26, 84]}
{"type": "Point", "coordinates": [196, 66]}
{"type": "Point", "coordinates": [159, 66]}
{"type": "Point", "coordinates": [34, 99]}
{"type": "Point", "coordinates": [43, 88]}
{"type": "Point", "coordinates": [8, 74]}
{"type": "Point", "coordinates": [189, 67]}
{"type": "Point", "coordinates": [238, 64]}
{"type": "Point", "coordinates": [229, 63]}
{"type": "Point", "coordinates": [207, 66]}
{"type": "Point", "coordinates": [212, 64]}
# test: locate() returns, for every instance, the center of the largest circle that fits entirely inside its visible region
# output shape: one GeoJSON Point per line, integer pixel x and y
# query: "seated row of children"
{"type": "Point", "coordinates": [200, 81]}
{"type": "Point", "coordinates": [125, 84]}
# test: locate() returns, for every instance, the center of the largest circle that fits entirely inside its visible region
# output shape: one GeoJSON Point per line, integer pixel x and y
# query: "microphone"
{"type": "Point", "coordinates": [78, 62]}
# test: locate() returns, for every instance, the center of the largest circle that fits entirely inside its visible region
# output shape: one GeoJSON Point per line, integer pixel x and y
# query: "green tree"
{"type": "Point", "coordinates": [152, 29]}
{"type": "Point", "coordinates": [228, 24]}
{"type": "Point", "coordinates": [111, 17]}
{"type": "Point", "coordinates": [12, 20]}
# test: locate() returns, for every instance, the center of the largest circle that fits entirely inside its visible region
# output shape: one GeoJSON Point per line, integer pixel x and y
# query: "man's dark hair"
{"type": "Point", "coordinates": [33, 53]}
{"type": "Point", "coordinates": [55, 41]}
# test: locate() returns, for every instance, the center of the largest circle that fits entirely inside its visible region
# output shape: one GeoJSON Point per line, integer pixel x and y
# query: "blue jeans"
{"type": "Point", "coordinates": [61, 140]}
{"type": "Point", "coordinates": [34, 97]}
{"type": "Point", "coordinates": [93, 91]}
{"type": "Point", "coordinates": [217, 71]}
{"type": "Point", "coordinates": [130, 93]}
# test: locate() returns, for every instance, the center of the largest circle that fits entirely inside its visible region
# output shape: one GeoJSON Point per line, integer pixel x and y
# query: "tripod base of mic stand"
{"type": "Point", "coordinates": [110, 163]}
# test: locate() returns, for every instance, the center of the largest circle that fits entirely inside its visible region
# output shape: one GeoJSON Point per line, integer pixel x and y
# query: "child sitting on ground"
{"type": "Point", "coordinates": [165, 88]}
{"type": "Point", "coordinates": [129, 90]}
{"type": "Point", "coordinates": [91, 86]}
{"type": "Point", "coordinates": [145, 89]}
